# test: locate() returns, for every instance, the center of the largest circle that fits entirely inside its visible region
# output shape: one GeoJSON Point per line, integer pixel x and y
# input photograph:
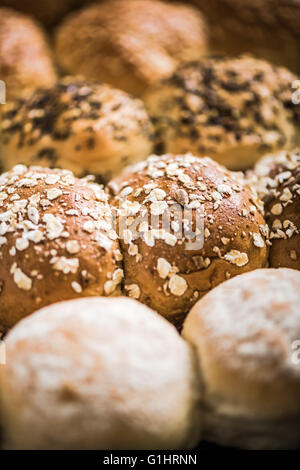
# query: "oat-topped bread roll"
{"type": "Point", "coordinates": [234, 110]}
{"type": "Point", "coordinates": [82, 126]}
{"type": "Point", "coordinates": [185, 225]}
{"type": "Point", "coordinates": [56, 241]}
{"type": "Point", "coordinates": [278, 184]}
{"type": "Point", "coordinates": [25, 58]}
{"type": "Point", "coordinates": [49, 12]}
{"type": "Point", "coordinates": [246, 333]}
{"type": "Point", "coordinates": [99, 374]}
{"type": "Point", "coordinates": [267, 28]}
{"type": "Point", "coordinates": [130, 43]}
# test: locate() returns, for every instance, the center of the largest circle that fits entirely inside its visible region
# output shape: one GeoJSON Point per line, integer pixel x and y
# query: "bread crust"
{"type": "Point", "coordinates": [130, 44]}
{"type": "Point", "coordinates": [57, 241]}
{"type": "Point", "coordinates": [79, 125]}
{"type": "Point", "coordinates": [233, 109]}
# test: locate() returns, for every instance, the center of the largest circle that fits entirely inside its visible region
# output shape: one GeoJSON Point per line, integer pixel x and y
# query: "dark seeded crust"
{"type": "Point", "coordinates": [57, 241]}
{"type": "Point", "coordinates": [279, 186]}
{"type": "Point", "coordinates": [25, 58]}
{"type": "Point", "coordinates": [82, 126]}
{"type": "Point", "coordinates": [234, 232]}
{"type": "Point", "coordinates": [130, 44]}
{"type": "Point", "coordinates": [270, 29]}
{"type": "Point", "coordinates": [234, 110]}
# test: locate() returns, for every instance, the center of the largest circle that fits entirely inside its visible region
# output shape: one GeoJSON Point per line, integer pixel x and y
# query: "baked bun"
{"type": "Point", "coordinates": [185, 225]}
{"type": "Point", "coordinates": [82, 126]}
{"type": "Point", "coordinates": [49, 12]}
{"type": "Point", "coordinates": [57, 241]}
{"type": "Point", "coordinates": [130, 43]}
{"type": "Point", "coordinates": [234, 110]}
{"type": "Point", "coordinates": [278, 184]}
{"type": "Point", "coordinates": [25, 58]}
{"type": "Point", "coordinates": [267, 28]}
{"type": "Point", "coordinates": [117, 376]}
{"type": "Point", "coordinates": [246, 332]}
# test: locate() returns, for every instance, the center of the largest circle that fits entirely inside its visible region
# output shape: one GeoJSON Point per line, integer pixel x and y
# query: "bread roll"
{"type": "Point", "coordinates": [130, 43]}
{"type": "Point", "coordinates": [185, 225]}
{"type": "Point", "coordinates": [25, 58]}
{"type": "Point", "coordinates": [82, 126]}
{"type": "Point", "coordinates": [49, 12]}
{"type": "Point", "coordinates": [234, 110]}
{"type": "Point", "coordinates": [278, 183]}
{"type": "Point", "coordinates": [267, 28]}
{"type": "Point", "coordinates": [99, 374]}
{"type": "Point", "coordinates": [246, 333]}
{"type": "Point", "coordinates": [56, 243]}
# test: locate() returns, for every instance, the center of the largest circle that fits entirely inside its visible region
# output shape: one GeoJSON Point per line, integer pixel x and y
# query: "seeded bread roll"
{"type": "Point", "coordinates": [246, 333]}
{"type": "Point", "coordinates": [278, 183]}
{"type": "Point", "coordinates": [83, 126]}
{"type": "Point", "coordinates": [234, 110]}
{"type": "Point", "coordinates": [130, 43]}
{"type": "Point", "coordinates": [56, 241]}
{"type": "Point", "coordinates": [267, 28]}
{"type": "Point", "coordinates": [117, 376]}
{"type": "Point", "coordinates": [185, 225]}
{"type": "Point", "coordinates": [25, 58]}
{"type": "Point", "coordinates": [49, 12]}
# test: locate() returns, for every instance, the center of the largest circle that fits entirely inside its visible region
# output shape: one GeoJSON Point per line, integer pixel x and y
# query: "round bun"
{"type": "Point", "coordinates": [267, 28]}
{"type": "Point", "coordinates": [246, 333]}
{"type": "Point", "coordinates": [234, 110]}
{"type": "Point", "coordinates": [25, 59]}
{"type": "Point", "coordinates": [57, 241]}
{"type": "Point", "coordinates": [49, 12]}
{"type": "Point", "coordinates": [130, 43]}
{"type": "Point", "coordinates": [185, 225]}
{"type": "Point", "coordinates": [82, 126]}
{"type": "Point", "coordinates": [117, 376]}
{"type": "Point", "coordinates": [278, 184]}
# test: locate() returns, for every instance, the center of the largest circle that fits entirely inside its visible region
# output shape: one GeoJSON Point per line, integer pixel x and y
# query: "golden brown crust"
{"type": "Point", "coordinates": [25, 58]}
{"type": "Point", "coordinates": [79, 125]}
{"type": "Point", "coordinates": [234, 110]}
{"type": "Point", "coordinates": [57, 241]}
{"type": "Point", "coordinates": [246, 333]}
{"type": "Point", "coordinates": [130, 43]}
{"type": "Point", "coordinates": [159, 268]}
{"type": "Point", "coordinates": [267, 28]}
{"type": "Point", "coordinates": [278, 183]}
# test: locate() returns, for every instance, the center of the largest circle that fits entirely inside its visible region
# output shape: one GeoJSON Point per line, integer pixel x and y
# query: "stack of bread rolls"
{"type": "Point", "coordinates": [149, 230]}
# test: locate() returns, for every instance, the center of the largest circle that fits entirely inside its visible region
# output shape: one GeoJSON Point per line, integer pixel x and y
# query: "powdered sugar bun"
{"type": "Point", "coordinates": [98, 374]}
{"type": "Point", "coordinates": [246, 332]}
{"type": "Point", "coordinates": [57, 241]}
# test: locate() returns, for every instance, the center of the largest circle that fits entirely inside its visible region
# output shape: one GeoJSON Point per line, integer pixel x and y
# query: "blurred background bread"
{"type": "Point", "coordinates": [269, 29]}
{"type": "Point", "coordinates": [130, 44]}
{"type": "Point", "coordinates": [245, 333]}
{"type": "Point", "coordinates": [57, 241]}
{"type": "Point", "coordinates": [25, 58]}
{"type": "Point", "coordinates": [99, 374]}
{"type": "Point", "coordinates": [278, 184]}
{"type": "Point", "coordinates": [79, 125]}
{"type": "Point", "coordinates": [233, 109]}
{"type": "Point", "coordinates": [208, 229]}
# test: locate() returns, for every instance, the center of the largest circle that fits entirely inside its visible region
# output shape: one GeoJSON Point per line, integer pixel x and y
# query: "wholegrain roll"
{"type": "Point", "coordinates": [99, 374]}
{"type": "Point", "coordinates": [268, 29]}
{"type": "Point", "coordinates": [278, 184]}
{"type": "Point", "coordinates": [82, 126]}
{"type": "Point", "coordinates": [185, 224]}
{"type": "Point", "coordinates": [57, 241]}
{"type": "Point", "coordinates": [233, 109]}
{"type": "Point", "coordinates": [246, 333]}
{"type": "Point", "coordinates": [25, 58]}
{"type": "Point", "coordinates": [130, 44]}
